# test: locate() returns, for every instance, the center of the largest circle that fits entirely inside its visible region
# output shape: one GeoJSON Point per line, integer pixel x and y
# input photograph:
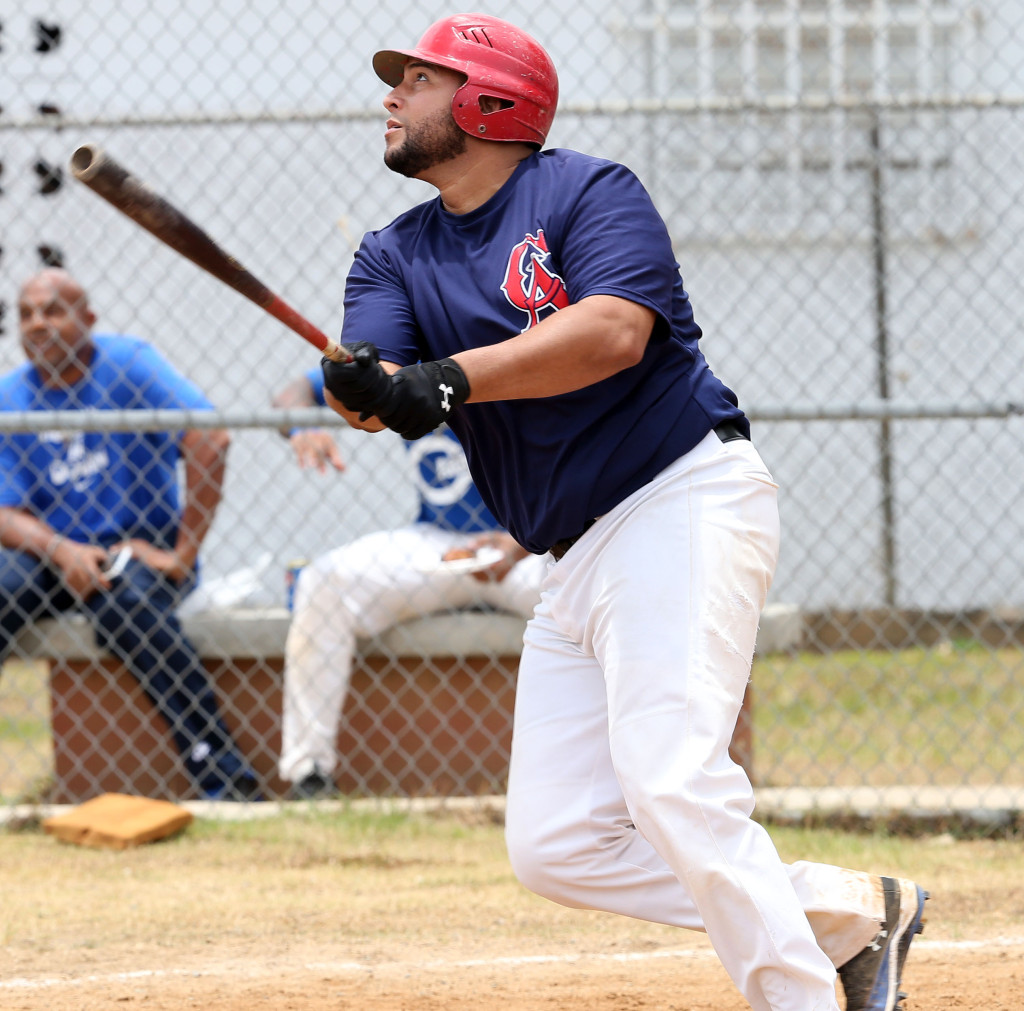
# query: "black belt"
{"type": "Point", "coordinates": [559, 548]}
{"type": "Point", "coordinates": [727, 431]}
{"type": "Point", "coordinates": [730, 431]}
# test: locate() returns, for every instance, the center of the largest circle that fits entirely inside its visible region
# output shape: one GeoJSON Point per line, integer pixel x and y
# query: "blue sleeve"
{"type": "Point", "coordinates": [614, 242]}
{"type": "Point", "coordinates": [377, 305]}
{"type": "Point", "coordinates": [15, 449]}
{"type": "Point", "coordinates": [316, 385]}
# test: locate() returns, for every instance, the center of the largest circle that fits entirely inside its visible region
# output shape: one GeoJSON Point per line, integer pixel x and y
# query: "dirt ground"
{"type": "Point", "coordinates": [939, 977]}
{"type": "Point", "coordinates": [394, 917]}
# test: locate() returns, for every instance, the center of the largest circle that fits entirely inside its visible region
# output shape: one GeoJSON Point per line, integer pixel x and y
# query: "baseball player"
{"type": "Point", "coordinates": [536, 306]}
{"type": "Point", "coordinates": [360, 589]}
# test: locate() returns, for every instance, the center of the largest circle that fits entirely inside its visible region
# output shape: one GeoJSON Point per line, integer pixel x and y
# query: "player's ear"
{"type": "Point", "coordinates": [491, 103]}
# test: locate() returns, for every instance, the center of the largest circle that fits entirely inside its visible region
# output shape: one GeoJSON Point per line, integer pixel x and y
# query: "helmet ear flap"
{"type": "Point", "coordinates": [490, 117]}
{"type": "Point", "coordinates": [468, 110]}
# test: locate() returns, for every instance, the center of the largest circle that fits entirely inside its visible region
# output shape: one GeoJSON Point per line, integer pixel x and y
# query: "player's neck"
{"type": "Point", "coordinates": [468, 182]}
{"type": "Point", "coordinates": [69, 373]}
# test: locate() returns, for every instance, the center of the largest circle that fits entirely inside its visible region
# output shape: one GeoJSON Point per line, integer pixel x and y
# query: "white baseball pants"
{"type": "Point", "coordinates": [622, 795]}
{"type": "Point", "coordinates": [357, 591]}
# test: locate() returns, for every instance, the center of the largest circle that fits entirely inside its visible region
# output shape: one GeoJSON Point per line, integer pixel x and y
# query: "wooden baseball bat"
{"type": "Point", "coordinates": [103, 175]}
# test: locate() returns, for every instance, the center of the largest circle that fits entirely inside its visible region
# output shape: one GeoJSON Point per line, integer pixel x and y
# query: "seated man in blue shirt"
{"type": "Point", "coordinates": [71, 501]}
{"type": "Point", "coordinates": [361, 588]}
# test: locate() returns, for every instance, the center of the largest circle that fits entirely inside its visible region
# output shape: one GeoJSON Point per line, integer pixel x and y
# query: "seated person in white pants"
{"type": "Point", "coordinates": [360, 589]}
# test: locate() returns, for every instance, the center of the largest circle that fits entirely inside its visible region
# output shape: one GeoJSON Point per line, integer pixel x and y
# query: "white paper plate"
{"type": "Point", "coordinates": [483, 559]}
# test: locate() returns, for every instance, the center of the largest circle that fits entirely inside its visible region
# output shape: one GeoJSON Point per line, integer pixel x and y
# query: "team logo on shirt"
{"type": "Point", "coordinates": [442, 473]}
{"type": "Point", "coordinates": [80, 465]}
{"type": "Point", "coordinates": [529, 283]}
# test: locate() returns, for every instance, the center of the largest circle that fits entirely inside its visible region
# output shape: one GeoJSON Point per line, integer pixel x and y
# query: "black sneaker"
{"type": "Point", "coordinates": [871, 980]}
{"type": "Point", "coordinates": [244, 787]}
{"type": "Point", "coordinates": [315, 786]}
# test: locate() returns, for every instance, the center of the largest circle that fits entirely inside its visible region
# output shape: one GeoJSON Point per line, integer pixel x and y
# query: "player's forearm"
{"type": "Point", "coordinates": [573, 348]}
{"type": "Point", "coordinates": [205, 456]}
{"type": "Point", "coordinates": [297, 393]}
{"type": "Point", "coordinates": [372, 424]}
{"type": "Point", "coordinates": [21, 531]}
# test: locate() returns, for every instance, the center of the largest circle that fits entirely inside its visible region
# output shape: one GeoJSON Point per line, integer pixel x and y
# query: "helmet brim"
{"type": "Point", "coordinates": [389, 65]}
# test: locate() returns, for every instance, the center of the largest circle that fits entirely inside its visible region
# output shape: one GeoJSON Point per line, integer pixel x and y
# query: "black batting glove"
{"type": "Point", "coordinates": [421, 397]}
{"type": "Point", "coordinates": [360, 384]}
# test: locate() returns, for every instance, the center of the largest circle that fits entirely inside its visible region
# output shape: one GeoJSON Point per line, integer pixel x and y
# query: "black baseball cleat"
{"type": "Point", "coordinates": [315, 786]}
{"type": "Point", "coordinates": [871, 980]}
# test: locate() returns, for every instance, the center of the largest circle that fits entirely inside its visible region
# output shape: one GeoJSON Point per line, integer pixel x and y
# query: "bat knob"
{"type": "Point", "coordinates": [86, 160]}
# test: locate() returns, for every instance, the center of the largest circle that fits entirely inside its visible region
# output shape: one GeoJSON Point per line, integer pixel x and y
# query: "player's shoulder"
{"type": "Point", "coordinates": [135, 368]}
{"type": "Point", "coordinates": [123, 349]}
{"type": "Point", "coordinates": [565, 156]}
{"type": "Point", "coordinates": [14, 386]}
{"type": "Point", "coordinates": [566, 161]}
{"type": "Point", "coordinates": [131, 354]}
{"type": "Point", "coordinates": [410, 221]}
{"type": "Point", "coordinates": [567, 177]}
{"type": "Point", "coordinates": [120, 343]}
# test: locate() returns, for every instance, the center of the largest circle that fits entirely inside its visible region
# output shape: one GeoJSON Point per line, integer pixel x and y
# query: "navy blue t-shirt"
{"type": "Point", "coordinates": [565, 226]}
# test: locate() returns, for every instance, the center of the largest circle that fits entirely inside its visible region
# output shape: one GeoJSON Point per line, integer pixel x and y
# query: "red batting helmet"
{"type": "Point", "coordinates": [498, 59]}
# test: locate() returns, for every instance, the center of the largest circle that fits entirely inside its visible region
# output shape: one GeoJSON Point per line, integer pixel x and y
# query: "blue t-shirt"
{"type": "Point", "coordinates": [99, 486]}
{"type": "Point", "coordinates": [565, 226]}
{"type": "Point", "coordinates": [448, 497]}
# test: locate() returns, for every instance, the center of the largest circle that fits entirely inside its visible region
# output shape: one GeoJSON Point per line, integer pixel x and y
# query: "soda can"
{"type": "Point", "coordinates": [291, 579]}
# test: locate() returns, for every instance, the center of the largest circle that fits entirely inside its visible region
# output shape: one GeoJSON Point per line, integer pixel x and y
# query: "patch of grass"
{"type": "Point", "coordinates": [26, 748]}
{"type": "Point", "coordinates": [943, 716]}
{"type": "Point", "coordinates": [367, 877]}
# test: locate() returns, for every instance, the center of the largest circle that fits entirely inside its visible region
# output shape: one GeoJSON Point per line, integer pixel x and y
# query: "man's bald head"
{"type": "Point", "coordinates": [56, 322]}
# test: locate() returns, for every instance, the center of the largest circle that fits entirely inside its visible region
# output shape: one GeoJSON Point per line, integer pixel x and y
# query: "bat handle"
{"type": "Point", "coordinates": [286, 314]}
{"type": "Point", "coordinates": [336, 353]}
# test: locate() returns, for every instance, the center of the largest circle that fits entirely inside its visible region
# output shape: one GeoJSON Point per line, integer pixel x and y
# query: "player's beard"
{"type": "Point", "coordinates": [425, 145]}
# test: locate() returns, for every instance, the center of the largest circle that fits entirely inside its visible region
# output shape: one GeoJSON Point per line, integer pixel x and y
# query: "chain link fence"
{"type": "Point", "coordinates": [843, 180]}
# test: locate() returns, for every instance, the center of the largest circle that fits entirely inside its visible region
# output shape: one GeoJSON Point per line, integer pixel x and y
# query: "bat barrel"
{"type": "Point", "coordinates": [91, 165]}
{"type": "Point", "coordinates": [106, 177]}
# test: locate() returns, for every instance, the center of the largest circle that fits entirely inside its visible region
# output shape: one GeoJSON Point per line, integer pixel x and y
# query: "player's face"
{"type": "Point", "coordinates": [421, 132]}
{"type": "Point", "coordinates": [55, 323]}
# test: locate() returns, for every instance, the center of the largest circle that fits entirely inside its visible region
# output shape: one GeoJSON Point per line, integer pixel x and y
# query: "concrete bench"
{"type": "Point", "coordinates": [429, 710]}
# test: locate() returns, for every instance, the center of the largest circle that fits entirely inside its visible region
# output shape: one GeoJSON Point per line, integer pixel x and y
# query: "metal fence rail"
{"type": "Point", "coordinates": [844, 183]}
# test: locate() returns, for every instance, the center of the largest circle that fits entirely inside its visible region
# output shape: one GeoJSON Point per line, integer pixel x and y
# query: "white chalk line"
{"type": "Point", "coordinates": [447, 965]}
